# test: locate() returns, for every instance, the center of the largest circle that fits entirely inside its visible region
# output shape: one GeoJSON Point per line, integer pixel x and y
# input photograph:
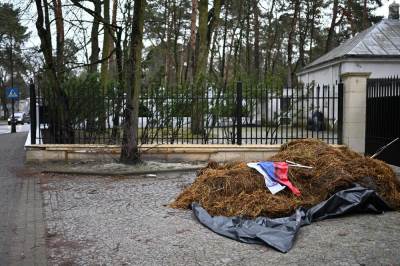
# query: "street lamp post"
{"type": "Point", "coordinates": [13, 127]}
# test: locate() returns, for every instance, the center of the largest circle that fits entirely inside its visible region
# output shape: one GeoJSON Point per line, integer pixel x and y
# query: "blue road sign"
{"type": "Point", "coordinates": [12, 93]}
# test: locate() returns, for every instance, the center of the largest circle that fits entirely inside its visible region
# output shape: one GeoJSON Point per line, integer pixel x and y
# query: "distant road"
{"type": "Point", "coordinates": [4, 128]}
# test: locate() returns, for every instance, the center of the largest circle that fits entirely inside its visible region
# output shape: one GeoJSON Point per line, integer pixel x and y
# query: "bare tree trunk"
{"type": "Point", "coordinates": [249, 68]}
{"type": "Point", "coordinates": [192, 44]}
{"type": "Point", "coordinates": [94, 37]}
{"type": "Point", "coordinates": [166, 43]}
{"type": "Point", "coordinates": [303, 32]}
{"type": "Point", "coordinates": [3, 98]}
{"type": "Point", "coordinates": [222, 68]}
{"type": "Point", "coordinates": [201, 67]}
{"type": "Point", "coordinates": [257, 54]}
{"type": "Point", "coordinates": [270, 43]}
{"type": "Point", "coordinates": [59, 116]}
{"type": "Point", "coordinates": [130, 150]}
{"type": "Point", "coordinates": [213, 21]}
{"type": "Point", "coordinates": [111, 61]}
{"type": "Point", "coordinates": [329, 44]}
{"type": "Point", "coordinates": [312, 30]}
{"type": "Point", "coordinates": [290, 42]}
{"type": "Point", "coordinates": [177, 22]}
{"type": "Point", "coordinates": [121, 86]}
{"type": "Point", "coordinates": [349, 15]}
{"type": "Point", "coordinates": [59, 36]}
{"type": "Point", "coordinates": [106, 45]}
{"type": "Point", "coordinates": [365, 16]}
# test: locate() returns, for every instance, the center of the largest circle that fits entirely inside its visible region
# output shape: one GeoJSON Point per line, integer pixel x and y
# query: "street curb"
{"type": "Point", "coordinates": [127, 173]}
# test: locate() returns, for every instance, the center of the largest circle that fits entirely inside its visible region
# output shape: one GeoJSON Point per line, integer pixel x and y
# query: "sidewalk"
{"type": "Point", "coordinates": [21, 223]}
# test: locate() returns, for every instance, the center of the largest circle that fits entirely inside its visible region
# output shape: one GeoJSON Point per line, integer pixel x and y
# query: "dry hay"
{"type": "Point", "coordinates": [234, 189]}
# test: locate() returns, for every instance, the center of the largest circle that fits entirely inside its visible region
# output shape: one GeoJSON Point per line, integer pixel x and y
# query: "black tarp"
{"type": "Point", "coordinates": [280, 233]}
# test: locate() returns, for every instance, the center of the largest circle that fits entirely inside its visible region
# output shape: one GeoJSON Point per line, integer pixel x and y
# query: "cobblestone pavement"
{"type": "Point", "coordinates": [21, 218]}
{"type": "Point", "coordinates": [124, 221]}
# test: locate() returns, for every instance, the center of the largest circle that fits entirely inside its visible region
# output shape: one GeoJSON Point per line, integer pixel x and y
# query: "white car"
{"type": "Point", "coordinates": [20, 118]}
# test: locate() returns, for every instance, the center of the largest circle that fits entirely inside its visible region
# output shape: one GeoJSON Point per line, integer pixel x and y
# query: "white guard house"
{"type": "Point", "coordinates": [376, 50]}
{"type": "Point", "coordinates": [373, 53]}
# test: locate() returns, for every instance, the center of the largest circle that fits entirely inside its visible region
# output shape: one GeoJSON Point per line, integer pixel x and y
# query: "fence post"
{"type": "Point", "coordinates": [239, 100]}
{"type": "Point", "coordinates": [340, 113]}
{"type": "Point", "coordinates": [32, 111]}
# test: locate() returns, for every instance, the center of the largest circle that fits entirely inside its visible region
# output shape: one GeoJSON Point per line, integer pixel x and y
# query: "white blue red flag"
{"type": "Point", "coordinates": [275, 173]}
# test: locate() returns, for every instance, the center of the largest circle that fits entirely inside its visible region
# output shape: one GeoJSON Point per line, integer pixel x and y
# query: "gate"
{"type": "Point", "coordinates": [383, 118]}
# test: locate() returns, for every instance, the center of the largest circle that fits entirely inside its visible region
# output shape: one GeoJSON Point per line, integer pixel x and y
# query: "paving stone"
{"type": "Point", "coordinates": [123, 221]}
{"type": "Point", "coordinates": [21, 217]}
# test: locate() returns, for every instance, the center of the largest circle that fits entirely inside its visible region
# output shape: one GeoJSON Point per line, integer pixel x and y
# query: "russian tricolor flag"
{"type": "Point", "coordinates": [275, 173]}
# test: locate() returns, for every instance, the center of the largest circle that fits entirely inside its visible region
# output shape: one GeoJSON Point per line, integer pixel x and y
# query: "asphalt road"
{"type": "Point", "coordinates": [4, 128]}
{"type": "Point", "coordinates": [21, 217]}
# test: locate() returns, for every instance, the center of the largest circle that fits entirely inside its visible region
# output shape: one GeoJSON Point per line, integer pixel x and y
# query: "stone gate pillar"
{"type": "Point", "coordinates": [354, 109]}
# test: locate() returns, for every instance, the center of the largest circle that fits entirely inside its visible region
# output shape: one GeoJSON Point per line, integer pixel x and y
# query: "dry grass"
{"type": "Point", "coordinates": [234, 189]}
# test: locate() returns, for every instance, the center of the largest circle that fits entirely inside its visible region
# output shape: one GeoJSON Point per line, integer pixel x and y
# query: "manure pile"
{"type": "Point", "coordinates": [233, 189]}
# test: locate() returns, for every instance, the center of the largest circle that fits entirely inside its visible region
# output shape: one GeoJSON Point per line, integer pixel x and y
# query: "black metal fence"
{"type": "Point", "coordinates": [233, 115]}
{"type": "Point", "coordinates": [383, 118]}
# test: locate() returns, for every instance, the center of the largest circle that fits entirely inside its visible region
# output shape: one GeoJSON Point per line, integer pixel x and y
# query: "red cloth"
{"type": "Point", "coordinates": [281, 172]}
{"type": "Point", "coordinates": [278, 172]}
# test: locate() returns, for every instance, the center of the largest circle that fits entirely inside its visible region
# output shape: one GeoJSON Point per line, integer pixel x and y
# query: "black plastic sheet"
{"type": "Point", "coordinates": [280, 233]}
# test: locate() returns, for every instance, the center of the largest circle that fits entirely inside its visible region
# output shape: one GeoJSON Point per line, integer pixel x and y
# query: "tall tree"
{"type": "Point", "coordinates": [12, 36]}
{"type": "Point", "coordinates": [104, 75]}
{"type": "Point", "coordinates": [329, 40]}
{"type": "Point", "coordinates": [60, 36]}
{"type": "Point", "coordinates": [296, 9]}
{"type": "Point", "coordinates": [94, 37]}
{"type": "Point", "coordinates": [192, 43]}
{"type": "Point", "coordinates": [201, 65]}
{"type": "Point", "coordinates": [60, 125]}
{"type": "Point", "coordinates": [256, 44]}
{"type": "Point", "coordinates": [130, 149]}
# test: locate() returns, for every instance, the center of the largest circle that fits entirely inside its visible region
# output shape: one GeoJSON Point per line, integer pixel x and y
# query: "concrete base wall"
{"type": "Point", "coordinates": [173, 153]}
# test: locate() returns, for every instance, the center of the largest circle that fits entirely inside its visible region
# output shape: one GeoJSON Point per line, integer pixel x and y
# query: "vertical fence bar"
{"type": "Point", "coordinates": [286, 113]}
{"type": "Point", "coordinates": [334, 111]}
{"type": "Point", "coordinates": [38, 112]}
{"type": "Point", "coordinates": [323, 112]}
{"type": "Point", "coordinates": [297, 112]}
{"type": "Point", "coordinates": [189, 99]}
{"type": "Point", "coordinates": [318, 109]}
{"type": "Point", "coordinates": [291, 104]}
{"type": "Point", "coordinates": [266, 115]}
{"type": "Point", "coordinates": [256, 122]}
{"type": "Point", "coordinates": [329, 114]}
{"type": "Point", "coordinates": [239, 100]}
{"type": "Point", "coordinates": [191, 116]}
{"type": "Point", "coordinates": [251, 114]}
{"type": "Point", "coordinates": [32, 111]}
{"type": "Point", "coordinates": [307, 108]}
{"type": "Point", "coordinates": [302, 112]}
{"type": "Point", "coordinates": [340, 113]}
{"type": "Point", "coordinates": [167, 112]}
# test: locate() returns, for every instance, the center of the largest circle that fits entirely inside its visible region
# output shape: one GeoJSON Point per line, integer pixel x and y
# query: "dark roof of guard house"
{"type": "Point", "coordinates": [380, 40]}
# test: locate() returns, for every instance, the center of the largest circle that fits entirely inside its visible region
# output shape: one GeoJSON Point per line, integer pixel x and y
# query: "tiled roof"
{"type": "Point", "coordinates": [380, 40]}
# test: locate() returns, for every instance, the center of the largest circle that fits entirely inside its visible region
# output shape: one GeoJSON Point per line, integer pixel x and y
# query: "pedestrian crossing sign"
{"type": "Point", "coordinates": [12, 93]}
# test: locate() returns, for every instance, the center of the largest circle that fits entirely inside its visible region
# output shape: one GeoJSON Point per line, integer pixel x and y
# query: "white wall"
{"type": "Point", "coordinates": [325, 76]}
{"type": "Point", "coordinates": [379, 68]}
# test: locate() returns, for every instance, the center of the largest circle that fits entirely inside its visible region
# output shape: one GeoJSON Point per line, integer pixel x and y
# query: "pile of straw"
{"type": "Point", "coordinates": [234, 189]}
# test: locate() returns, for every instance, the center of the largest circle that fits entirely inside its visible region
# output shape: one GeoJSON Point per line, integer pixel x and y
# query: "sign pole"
{"type": "Point", "coordinates": [13, 127]}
